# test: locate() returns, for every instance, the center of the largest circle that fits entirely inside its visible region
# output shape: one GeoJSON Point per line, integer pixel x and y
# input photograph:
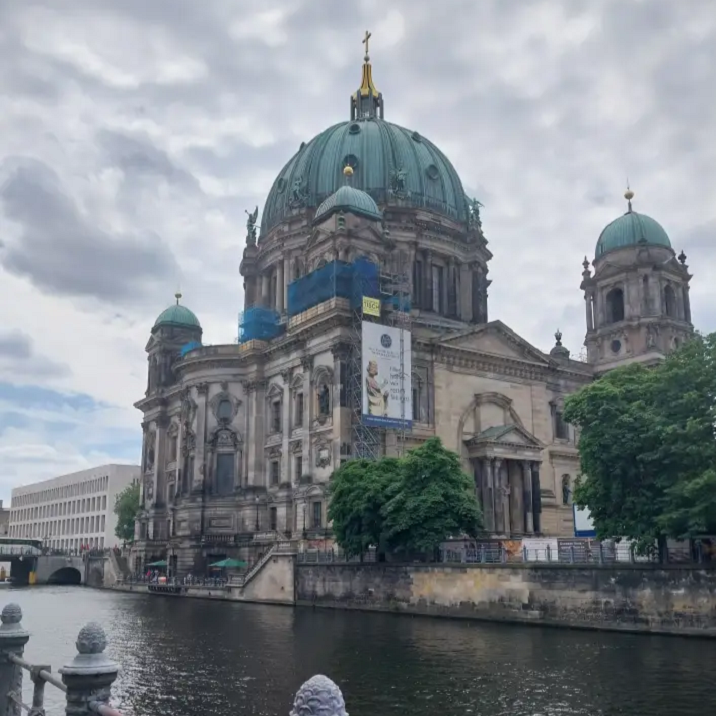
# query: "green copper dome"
{"type": "Point", "coordinates": [632, 229]}
{"type": "Point", "coordinates": [390, 163]}
{"type": "Point", "coordinates": [347, 198]}
{"type": "Point", "coordinates": [178, 316]}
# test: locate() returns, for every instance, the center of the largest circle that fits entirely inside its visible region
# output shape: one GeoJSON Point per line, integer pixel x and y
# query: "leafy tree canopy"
{"type": "Point", "coordinates": [126, 507]}
{"type": "Point", "coordinates": [403, 504]}
{"type": "Point", "coordinates": [358, 492]}
{"type": "Point", "coordinates": [432, 499]}
{"type": "Point", "coordinates": [647, 447]}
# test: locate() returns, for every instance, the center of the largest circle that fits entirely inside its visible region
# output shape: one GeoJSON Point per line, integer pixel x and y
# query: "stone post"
{"type": "Point", "coordinates": [90, 675]}
{"type": "Point", "coordinates": [12, 641]}
{"type": "Point", "coordinates": [319, 696]}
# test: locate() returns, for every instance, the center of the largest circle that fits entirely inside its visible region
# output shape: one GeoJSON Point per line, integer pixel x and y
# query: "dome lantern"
{"type": "Point", "coordinates": [177, 316]}
{"type": "Point", "coordinates": [631, 229]}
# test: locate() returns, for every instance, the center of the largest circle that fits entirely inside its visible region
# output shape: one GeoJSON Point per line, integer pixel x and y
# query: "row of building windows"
{"type": "Point", "coordinates": [58, 509]}
{"type": "Point", "coordinates": [323, 405]}
{"type": "Point", "coordinates": [77, 543]}
{"type": "Point", "coordinates": [53, 494]}
{"type": "Point", "coordinates": [90, 524]}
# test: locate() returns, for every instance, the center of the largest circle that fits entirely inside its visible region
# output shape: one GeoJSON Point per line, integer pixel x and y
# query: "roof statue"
{"type": "Point", "coordinates": [251, 227]}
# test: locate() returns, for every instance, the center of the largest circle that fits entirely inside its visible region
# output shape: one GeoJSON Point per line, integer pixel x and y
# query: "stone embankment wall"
{"type": "Point", "coordinates": [645, 598]}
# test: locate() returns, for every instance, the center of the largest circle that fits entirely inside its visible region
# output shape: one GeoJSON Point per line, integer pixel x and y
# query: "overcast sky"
{"type": "Point", "coordinates": [134, 134]}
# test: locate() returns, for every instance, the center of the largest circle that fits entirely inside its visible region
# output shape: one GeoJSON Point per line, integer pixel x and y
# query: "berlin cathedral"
{"type": "Point", "coordinates": [240, 440]}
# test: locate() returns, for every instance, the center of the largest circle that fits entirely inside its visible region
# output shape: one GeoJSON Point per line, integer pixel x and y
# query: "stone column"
{"type": "Point", "coordinates": [200, 460]}
{"type": "Point", "coordinates": [536, 497]}
{"type": "Point", "coordinates": [427, 303]}
{"type": "Point", "coordinates": [280, 287]}
{"type": "Point", "coordinates": [255, 476]}
{"type": "Point", "coordinates": [249, 291]}
{"type": "Point", "coordinates": [452, 293]}
{"type": "Point", "coordinates": [265, 289]}
{"type": "Point", "coordinates": [285, 425]}
{"type": "Point", "coordinates": [504, 482]}
{"type": "Point", "coordinates": [12, 641]}
{"type": "Point", "coordinates": [489, 493]}
{"type": "Point", "coordinates": [90, 675]}
{"type": "Point", "coordinates": [160, 481]}
{"type": "Point", "coordinates": [527, 496]}
{"type": "Point", "coordinates": [687, 303]}
{"type": "Point", "coordinates": [248, 411]}
{"type": "Point", "coordinates": [286, 280]}
{"type": "Point", "coordinates": [340, 352]}
{"type": "Point", "coordinates": [588, 302]}
{"type": "Point", "coordinates": [307, 367]}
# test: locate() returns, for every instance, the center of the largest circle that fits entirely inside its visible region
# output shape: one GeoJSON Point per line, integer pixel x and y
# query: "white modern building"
{"type": "Point", "coordinates": [71, 511]}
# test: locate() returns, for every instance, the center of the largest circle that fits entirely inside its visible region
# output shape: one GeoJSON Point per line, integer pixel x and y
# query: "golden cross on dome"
{"type": "Point", "coordinates": [367, 37]}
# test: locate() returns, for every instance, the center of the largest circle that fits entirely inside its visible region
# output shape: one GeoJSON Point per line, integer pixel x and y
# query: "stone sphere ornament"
{"type": "Point", "coordinates": [91, 639]}
{"type": "Point", "coordinates": [319, 696]}
{"type": "Point", "coordinates": [11, 614]}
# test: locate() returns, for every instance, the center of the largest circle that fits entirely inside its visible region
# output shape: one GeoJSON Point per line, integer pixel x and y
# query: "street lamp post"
{"type": "Point", "coordinates": [257, 513]}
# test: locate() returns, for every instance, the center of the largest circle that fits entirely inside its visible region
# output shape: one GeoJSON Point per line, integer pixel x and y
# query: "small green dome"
{"type": "Point", "coordinates": [632, 229]}
{"type": "Point", "coordinates": [179, 316]}
{"type": "Point", "coordinates": [350, 199]}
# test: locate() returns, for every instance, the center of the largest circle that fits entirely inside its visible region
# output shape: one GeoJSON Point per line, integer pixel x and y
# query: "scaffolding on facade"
{"type": "Point", "coordinates": [362, 279]}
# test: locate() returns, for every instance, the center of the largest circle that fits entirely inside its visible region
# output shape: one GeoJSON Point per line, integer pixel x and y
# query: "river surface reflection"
{"type": "Point", "coordinates": [184, 657]}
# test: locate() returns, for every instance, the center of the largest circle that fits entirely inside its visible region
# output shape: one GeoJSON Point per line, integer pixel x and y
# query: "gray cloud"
{"type": "Point", "coordinates": [152, 129]}
{"type": "Point", "coordinates": [60, 251]}
{"type": "Point", "coordinates": [18, 357]}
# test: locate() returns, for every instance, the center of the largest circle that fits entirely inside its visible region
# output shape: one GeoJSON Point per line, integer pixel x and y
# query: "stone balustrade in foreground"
{"type": "Point", "coordinates": [87, 680]}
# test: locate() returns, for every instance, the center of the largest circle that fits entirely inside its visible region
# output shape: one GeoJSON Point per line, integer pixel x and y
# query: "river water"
{"type": "Point", "coordinates": [186, 657]}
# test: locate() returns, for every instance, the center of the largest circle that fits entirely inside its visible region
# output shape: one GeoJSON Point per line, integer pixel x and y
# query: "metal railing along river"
{"type": "Point", "coordinates": [87, 680]}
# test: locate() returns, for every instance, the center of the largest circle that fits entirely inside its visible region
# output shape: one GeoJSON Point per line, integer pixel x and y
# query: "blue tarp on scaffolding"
{"type": "Point", "coordinates": [333, 279]}
{"type": "Point", "coordinates": [338, 278]}
{"type": "Point", "coordinates": [186, 348]}
{"type": "Point", "coordinates": [259, 324]}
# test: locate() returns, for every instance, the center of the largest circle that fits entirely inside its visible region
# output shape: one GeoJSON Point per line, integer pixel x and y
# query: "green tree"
{"type": "Point", "coordinates": [433, 499]}
{"type": "Point", "coordinates": [647, 447]}
{"type": "Point", "coordinates": [687, 399]}
{"type": "Point", "coordinates": [358, 493]}
{"type": "Point", "coordinates": [126, 507]}
{"type": "Point", "coordinates": [620, 433]}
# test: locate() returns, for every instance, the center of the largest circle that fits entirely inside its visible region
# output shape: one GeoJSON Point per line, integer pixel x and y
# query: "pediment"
{"type": "Point", "coordinates": [494, 338]}
{"type": "Point", "coordinates": [507, 435]}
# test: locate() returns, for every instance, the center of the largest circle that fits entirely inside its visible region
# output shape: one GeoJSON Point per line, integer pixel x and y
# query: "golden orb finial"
{"type": "Point", "coordinates": [628, 194]}
{"type": "Point", "coordinates": [348, 170]}
{"type": "Point", "coordinates": [177, 295]}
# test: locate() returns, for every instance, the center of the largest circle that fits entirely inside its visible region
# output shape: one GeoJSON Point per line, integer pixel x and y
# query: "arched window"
{"type": "Point", "coordinates": [225, 410]}
{"type": "Point", "coordinates": [670, 301]}
{"type": "Point", "coordinates": [566, 490]}
{"type": "Point", "coordinates": [615, 305]}
{"type": "Point", "coordinates": [646, 294]}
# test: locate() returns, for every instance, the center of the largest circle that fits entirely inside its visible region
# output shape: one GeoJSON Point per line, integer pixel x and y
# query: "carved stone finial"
{"type": "Point", "coordinates": [91, 639]}
{"type": "Point", "coordinates": [11, 614]}
{"type": "Point", "coordinates": [585, 263]}
{"type": "Point", "coordinates": [558, 337]}
{"type": "Point", "coordinates": [319, 696]}
{"type": "Point", "coordinates": [682, 258]}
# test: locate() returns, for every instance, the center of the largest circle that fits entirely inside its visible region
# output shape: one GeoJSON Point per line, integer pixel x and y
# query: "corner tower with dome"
{"type": "Point", "coordinates": [637, 301]}
{"type": "Point", "coordinates": [241, 439]}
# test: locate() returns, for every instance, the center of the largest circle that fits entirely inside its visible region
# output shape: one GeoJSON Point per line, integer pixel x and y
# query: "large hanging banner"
{"type": "Point", "coordinates": [387, 388]}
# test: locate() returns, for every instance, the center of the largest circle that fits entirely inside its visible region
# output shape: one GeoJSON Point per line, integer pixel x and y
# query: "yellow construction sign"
{"type": "Point", "coordinates": [371, 306]}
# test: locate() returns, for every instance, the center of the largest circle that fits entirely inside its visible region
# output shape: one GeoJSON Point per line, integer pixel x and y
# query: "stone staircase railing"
{"type": "Point", "coordinates": [241, 580]}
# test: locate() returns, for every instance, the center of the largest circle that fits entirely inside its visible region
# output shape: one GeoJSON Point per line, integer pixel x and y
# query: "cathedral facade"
{"type": "Point", "coordinates": [240, 440]}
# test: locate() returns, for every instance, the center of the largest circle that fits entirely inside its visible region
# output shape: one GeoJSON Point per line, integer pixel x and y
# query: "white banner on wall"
{"type": "Point", "coordinates": [386, 384]}
{"type": "Point", "coordinates": [583, 525]}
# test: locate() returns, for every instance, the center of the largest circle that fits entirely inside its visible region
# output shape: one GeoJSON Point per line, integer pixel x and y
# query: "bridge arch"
{"type": "Point", "coordinates": [65, 575]}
